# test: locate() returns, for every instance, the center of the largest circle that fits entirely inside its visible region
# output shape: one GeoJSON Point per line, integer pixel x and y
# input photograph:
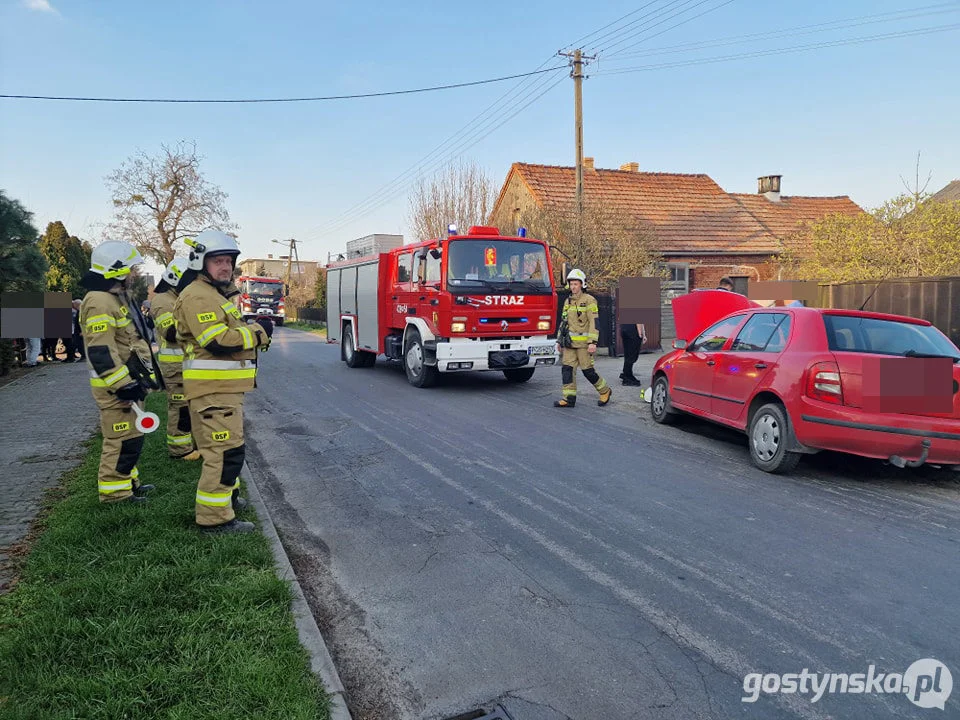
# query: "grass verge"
{"type": "Point", "coordinates": [129, 612]}
{"type": "Point", "coordinates": [321, 331]}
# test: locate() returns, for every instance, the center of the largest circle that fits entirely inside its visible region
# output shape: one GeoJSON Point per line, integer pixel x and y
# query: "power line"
{"type": "Point", "coordinates": [412, 91]}
{"type": "Point", "coordinates": [632, 35]}
{"type": "Point", "coordinates": [642, 21]}
{"type": "Point", "coordinates": [797, 31]}
{"type": "Point", "coordinates": [780, 51]}
{"type": "Point", "coordinates": [458, 151]}
{"type": "Point", "coordinates": [577, 42]}
{"type": "Point", "coordinates": [431, 158]}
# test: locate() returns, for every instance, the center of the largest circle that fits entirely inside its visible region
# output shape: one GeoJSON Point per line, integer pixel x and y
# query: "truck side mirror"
{"type": "Point", "coordinates": [435, 253]}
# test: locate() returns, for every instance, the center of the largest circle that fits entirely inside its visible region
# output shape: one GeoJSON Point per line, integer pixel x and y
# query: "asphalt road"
{"type": "Point", "coordinates": [469, 544]}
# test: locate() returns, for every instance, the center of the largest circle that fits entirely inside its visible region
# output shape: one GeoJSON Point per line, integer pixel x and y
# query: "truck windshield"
{"type": "Point", "coordinates": [270, 289]}
{"type": "Point", "coordinates": [887, 337]}
{"type": "Point", "coordinates": [507, 265]}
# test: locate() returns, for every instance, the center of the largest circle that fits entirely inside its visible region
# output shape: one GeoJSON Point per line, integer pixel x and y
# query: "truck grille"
{"type": "Point", "coordinates": [505, 359]}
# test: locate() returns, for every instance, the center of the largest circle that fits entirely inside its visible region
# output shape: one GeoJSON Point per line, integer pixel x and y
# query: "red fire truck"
{"type": "Point", "coordinates": [479, 301]}
{"type": "Point", "coordinates": [262, 296]}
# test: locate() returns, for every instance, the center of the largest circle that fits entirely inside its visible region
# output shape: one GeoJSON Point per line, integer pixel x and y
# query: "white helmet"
{"type": "Point", "coordinates": [114, 258]}
{"type": "Point", "coordinates": [174, 271]}
{"type": "Point", "coordinates": [577, 274]}
{"type": "Point", "coordinates": [211, 243]}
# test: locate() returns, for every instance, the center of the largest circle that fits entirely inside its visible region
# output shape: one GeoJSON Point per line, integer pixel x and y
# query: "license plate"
{"type": "Point", "coordinates": [542, 349]}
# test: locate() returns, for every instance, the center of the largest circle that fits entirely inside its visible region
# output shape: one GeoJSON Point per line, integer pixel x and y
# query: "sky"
{"type": "Point", "coordinates": [846, 120]}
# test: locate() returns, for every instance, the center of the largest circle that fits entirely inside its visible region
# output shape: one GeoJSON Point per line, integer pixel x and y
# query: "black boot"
{"type": "Point", "coordinates": [239, 503]}
{"type": "Point", "coordinates": [234, 526]}
{"type": "Point", "coordinates": [630, 380]}
{"type": "Point", "coordinates": [141, 490]}
{"type": "Point", "coordinates": [567, 402]}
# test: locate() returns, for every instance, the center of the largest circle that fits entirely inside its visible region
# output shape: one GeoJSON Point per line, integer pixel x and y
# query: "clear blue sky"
{"type": "Point", "coordinates": [844, 120]}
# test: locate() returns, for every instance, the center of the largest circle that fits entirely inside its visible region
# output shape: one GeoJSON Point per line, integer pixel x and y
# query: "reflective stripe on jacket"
{"type": "Point", "coordinates": [110, 338]}
{"type": "Point", "coordinates": [206, 319]}
{"type": "Point", "coordinates": [581, 315]}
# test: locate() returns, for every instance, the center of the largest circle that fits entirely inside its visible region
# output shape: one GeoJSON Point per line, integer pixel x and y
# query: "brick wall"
{"type": "Point", "coordinates": [706, 272]}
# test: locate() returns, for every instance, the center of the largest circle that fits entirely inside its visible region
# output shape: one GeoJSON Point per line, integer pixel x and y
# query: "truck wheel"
{"type": "Point", "coordinates": [278, 321]}
{"type": "Point", "coordinates": [353, 358]}
{"type": "Point", "coordinates": [768, 435]}
{"type": "Point", "coordinates": [519, 375]}
{"type": "Point", "coordinates": [419, 373]}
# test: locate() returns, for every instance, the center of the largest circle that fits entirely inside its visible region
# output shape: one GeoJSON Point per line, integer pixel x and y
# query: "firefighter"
{"type": "Point", "coordinates": [218, 368]}
{"type": "Point", "coordinates": [179, 439]}
{"type": "Point", "coordinates": [578, 342]}
{"type": "Point", "coordinates": [113, 331]}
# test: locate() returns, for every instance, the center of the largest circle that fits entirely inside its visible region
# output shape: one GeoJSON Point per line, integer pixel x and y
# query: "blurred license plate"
{"type": "Point", "coordinates": [541, 349]}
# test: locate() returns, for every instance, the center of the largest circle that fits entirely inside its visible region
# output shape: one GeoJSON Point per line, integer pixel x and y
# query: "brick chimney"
{"type": "Point", "coordinates": [769, 187]}
{"type": "Point", "coordinates": [588, 163]}
{"type": "Point", "coordinates": [630, 167]}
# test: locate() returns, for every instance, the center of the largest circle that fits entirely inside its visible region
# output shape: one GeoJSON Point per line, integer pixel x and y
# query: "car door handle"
{"type": "Point", "coordinates": [761, 366]}
{"type": "Point", "coordinates": [711, 363]}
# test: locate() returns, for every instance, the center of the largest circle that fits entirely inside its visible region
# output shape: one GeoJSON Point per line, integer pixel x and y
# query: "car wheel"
{"type": "Point", "coordinates": [419, 373]}
{"type": "Point", "coordinates": [660, 407]}
{"type": "Point", "coordinates": [353, 358]}
{"type": "Point", "coordinates": [769, 430]}
{"type": "Point", "coordinates": [518, 375]}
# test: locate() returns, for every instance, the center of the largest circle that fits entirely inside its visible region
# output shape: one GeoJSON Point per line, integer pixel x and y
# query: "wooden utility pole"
{"type": "Point", "coordinates": [577, 61]}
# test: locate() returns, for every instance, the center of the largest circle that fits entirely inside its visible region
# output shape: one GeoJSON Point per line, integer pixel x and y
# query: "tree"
{"type": "Point", "coordinates": [320, 287]}
{"type": "Point", "coordinates": [615, 244]}
{"type": "Point", "coordinates": [137, 287]}
{"type": "Point", "coordinates": [160, 200]}
{"type": "Point", "coordinates": [67, 257]}
{"type": "Point", "coordinates": [908, 236]}
{"type": "Point", "coordinates": [22, 266]}
{"type": "Point", "coordinates": [461, 193]}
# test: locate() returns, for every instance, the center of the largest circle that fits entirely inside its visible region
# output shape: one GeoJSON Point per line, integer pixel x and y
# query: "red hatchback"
{"type": "Point", "coordinates": [799, 380]}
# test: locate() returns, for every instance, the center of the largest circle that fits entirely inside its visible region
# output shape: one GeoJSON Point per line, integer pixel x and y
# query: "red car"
{"type": "Point", "coordinates": [799, 380]}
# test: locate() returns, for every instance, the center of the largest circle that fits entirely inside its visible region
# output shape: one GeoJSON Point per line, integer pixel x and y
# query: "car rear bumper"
{"type": "Point", "coordinates": [466, 354]}
{"type": "Point", "coordinates": [827, 427]}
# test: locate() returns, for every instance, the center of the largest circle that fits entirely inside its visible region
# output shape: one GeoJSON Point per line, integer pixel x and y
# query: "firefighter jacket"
{"type": "Point", "coordinates": [170, 355]}
{"type": "Point", "coordinates": [111, 338]}
{"type": "Point", "coordinates": [580, 312]}
{"type": "Point", "coordinates": [219, 349]}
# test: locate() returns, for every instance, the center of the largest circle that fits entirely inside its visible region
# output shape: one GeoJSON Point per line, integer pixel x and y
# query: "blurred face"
{"type": "Point", "coordinates": [219, 267]}
{"type": "Point", "coordinates": [576, 286]}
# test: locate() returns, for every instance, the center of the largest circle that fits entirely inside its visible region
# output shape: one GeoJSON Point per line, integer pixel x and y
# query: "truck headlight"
{"type": "Point", "coordinates": [458, 327]}
{"type": "Point", "coordinates": [543, 325]}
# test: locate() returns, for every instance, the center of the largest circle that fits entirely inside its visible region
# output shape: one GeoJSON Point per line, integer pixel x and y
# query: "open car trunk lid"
{"type": "Point", "coordinates": [696, 311]}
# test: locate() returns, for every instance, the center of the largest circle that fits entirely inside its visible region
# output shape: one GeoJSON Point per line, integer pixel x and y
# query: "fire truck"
{"type": "Point", "coordinates": [262, 296]}
{"type": "Point", "coordinates": [479, 301]}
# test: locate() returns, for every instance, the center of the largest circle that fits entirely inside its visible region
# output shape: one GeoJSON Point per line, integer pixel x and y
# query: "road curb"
{"type": "Point", "coordinates": [310, 637]}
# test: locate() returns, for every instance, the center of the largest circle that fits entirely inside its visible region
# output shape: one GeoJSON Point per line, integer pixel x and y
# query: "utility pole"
{"type": "Point", "coordinates": [291, 245]}
{"type": "Point", "coordinates": [577, 61]}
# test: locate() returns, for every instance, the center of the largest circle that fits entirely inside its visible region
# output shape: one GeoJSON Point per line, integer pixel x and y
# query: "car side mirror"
{"type": "Point", "coordinates": [679, 344]}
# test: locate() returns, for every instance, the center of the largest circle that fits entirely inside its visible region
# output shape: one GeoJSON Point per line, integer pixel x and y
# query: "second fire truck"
{"type": "Point", "coordinates": [479, 301]}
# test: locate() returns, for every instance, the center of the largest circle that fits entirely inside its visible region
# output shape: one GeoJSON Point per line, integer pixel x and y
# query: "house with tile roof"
{"type": "Point", "coordinates": [949, 193]}
{"type": "Point", "coordinates": [696, 222]}
{"type": "Point", "coordinates": [703, 232]}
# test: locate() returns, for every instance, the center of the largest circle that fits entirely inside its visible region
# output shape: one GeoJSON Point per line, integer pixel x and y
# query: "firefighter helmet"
{"type": "Point", "coordinates": [174, 271]}
{"type": "Point", "coordinates": [211, 243]}
{"type": "Point", "coordinates": [113, 259]}
{"type": "Point", "coordinates": [577, 274]}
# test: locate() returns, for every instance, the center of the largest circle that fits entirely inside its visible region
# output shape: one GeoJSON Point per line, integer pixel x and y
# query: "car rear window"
{"type": "Point", "coordinates": [851, 333]}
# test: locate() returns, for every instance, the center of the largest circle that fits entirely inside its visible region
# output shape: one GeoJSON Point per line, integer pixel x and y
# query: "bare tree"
{"type": "Point", "coordinates": [160, 200]}
{"type": "Point", "coordinates": [461, 193]}
{"type": "Point", "coordinates": [615, 244]}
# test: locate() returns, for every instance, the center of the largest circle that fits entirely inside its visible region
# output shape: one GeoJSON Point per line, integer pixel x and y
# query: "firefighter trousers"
{"type": "Point", "coordinates": [217, 422]}
{"type": "Point", "coordinates": [179, 436]}
{"type": "Point", "coordinates": [572, 359]}
{"type": "Point", "coordinates": [122, 444]}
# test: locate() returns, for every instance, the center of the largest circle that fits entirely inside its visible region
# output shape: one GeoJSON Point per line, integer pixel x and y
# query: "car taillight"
{"type": "Point", "coordinates": [823, 383]}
